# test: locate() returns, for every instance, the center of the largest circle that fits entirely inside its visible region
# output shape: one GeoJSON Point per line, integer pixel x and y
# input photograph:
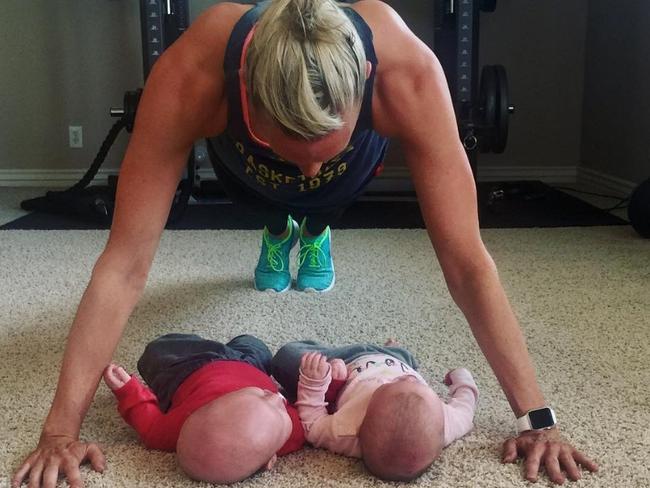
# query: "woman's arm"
{"type": "Point", "coordinates": [182, 102]}
{"type": "Point", "coordinates": [413, 104]}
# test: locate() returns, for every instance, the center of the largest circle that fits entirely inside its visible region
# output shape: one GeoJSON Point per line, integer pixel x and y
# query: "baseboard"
{"type": "Point", "coordinates": [398, 179]}
{"type": "Point", "coordinates": [392, 179]}
{"type": "Point", "coordinates": [56, 178]}
{"type": "Point", "coordinates": [545, 174]}
{"type": "Point", "coordinates": [604, 182]}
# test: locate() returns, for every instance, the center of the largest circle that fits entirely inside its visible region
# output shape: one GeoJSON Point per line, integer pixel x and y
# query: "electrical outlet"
{"type": "Point", "coordinates": [76, 136]}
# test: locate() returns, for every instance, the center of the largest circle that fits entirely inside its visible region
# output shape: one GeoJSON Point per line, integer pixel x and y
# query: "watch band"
{"type": "Point", "coordinates": [523, 423]}
{"type": "Point", "coordinates": [537, 419]}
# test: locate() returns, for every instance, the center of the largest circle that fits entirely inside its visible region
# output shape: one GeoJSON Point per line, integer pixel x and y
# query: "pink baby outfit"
{"type": "Point", "coordinates": [339, 432]}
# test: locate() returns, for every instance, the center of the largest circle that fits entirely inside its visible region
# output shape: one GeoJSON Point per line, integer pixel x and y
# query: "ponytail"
{"type": "Point", "coordinates": [305, 65]}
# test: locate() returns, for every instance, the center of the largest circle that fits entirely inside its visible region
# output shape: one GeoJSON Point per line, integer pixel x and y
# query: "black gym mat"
{"type": "Point", "coordinates": [522, 204]}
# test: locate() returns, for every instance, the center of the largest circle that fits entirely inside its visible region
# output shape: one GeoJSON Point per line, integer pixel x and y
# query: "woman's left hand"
{"type": "Point", "coordinates": [547, 448]}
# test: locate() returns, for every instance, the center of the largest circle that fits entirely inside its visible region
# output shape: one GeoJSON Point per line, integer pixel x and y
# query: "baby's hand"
{"type": "Point", "coordinates": [314, 365]}
{"type": "Point", "coordinates": [115, 376]}
{"type": "Point", "coordinates": [456, 375]}
{"type": "Point", "coordinates": [339, 370]}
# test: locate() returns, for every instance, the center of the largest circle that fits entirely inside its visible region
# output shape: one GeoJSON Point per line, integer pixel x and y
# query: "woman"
{"type": "Point", "coordinates": [298, 105]}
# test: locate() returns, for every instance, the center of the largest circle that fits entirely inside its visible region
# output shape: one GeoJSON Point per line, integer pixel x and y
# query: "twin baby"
{"type": "Point", "coordinates": [219, 408]}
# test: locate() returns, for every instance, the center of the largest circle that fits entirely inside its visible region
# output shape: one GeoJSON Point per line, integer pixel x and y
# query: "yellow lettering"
{"type": "Point", "coordinates": [342, 168]}
{"type": "Point", "coordinates": [328, 176]}
{"type": "Point", "coordinates": [240, 147]}
{"type": "Point", "coordinates": [263, 170]}
{"type": "Point", "coordinates": [276, 177]}
{"type": "Point", "coordinates": [314, 183]}
{"type": "Point", "coordinates": [260, 180]}
{"type": "Point", "coordinates": [250, 161]}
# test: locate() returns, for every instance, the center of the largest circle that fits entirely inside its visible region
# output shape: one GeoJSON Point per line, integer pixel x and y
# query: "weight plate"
{"type": "Point", "coordinates": [488, 101]}
{"type": "Point", "coordinates": [500, 138]}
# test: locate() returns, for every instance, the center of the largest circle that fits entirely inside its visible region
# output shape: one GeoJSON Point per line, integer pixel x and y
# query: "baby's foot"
{"type": "Point", "coordinates": [391, 342]}
{"type": "Point", "coordinates": [115, 376]}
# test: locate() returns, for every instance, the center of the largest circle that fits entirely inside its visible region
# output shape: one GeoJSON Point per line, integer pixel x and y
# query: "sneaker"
{"type": "Point", "coordinates": [316, 268]}
{"type": "Point", "coordinates": [272, 271]}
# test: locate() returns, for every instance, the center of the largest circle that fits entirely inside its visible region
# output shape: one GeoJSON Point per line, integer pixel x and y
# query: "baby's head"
{"type": "Point", "coordinates": [234, 436]}
{"type": "Point", "coordinates": [403, 430]}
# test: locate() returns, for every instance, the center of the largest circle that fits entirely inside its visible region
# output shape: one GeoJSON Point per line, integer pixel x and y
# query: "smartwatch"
{"type": "Point", "coordinates": [537, 419]}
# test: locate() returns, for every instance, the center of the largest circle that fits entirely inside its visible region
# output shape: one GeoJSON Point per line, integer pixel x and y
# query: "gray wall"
{"type": "Point", "coordinates": [541, 44]}
{"type": "Point", "coordinates": [65, 63]}
{"type": "Point", "coordinates": [616, 127]}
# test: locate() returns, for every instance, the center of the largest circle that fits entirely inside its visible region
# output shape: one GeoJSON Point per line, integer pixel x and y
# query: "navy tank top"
{"type": "Point", "coordinates": [250, 161]}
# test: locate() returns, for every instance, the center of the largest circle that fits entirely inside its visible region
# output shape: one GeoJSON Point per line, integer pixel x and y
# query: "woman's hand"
{"type": "Point", "coordinates": [59, 453]}
{"type": "Point", "coordinates": [549, 449]}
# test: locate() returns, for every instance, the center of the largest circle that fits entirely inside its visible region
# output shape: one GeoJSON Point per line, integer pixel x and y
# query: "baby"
{"type": "Point", "coordinates": [214, 404]}
{"type": "Point", "coordinates": [382, 411]}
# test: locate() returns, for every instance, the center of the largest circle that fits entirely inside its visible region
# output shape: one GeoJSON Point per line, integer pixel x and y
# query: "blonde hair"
{"type": "Point", "coordinates": [305, 65]}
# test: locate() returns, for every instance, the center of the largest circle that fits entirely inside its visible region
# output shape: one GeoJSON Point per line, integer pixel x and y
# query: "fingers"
{"type": "Point", "coordinates": [109, 370]}
{"type": "Point", "coordinates": [122, 375]}
{"type": "Point", "coordinates": [96, 457]}
{"type": "Point", "coordinates": [314, 364]}
{"type": "Point", "coordinates": [509, 453]}
{"type": "Point", "coordinates": [308, 359]}
{"type": "Point", "coordinates": [51, 473]}
{"type": "Point", "coordinates": [303, 361]}
{"type": "Point", "coordinates": [339, 370]}
{"type": "Point", "coordinates": [585, 462]}
{"type": "Point", "coordinates": [24, 469]}
{"type": "Point", "coordinates": [567, 462]}
{"type": "Point", "coordinates": [552, 464]}
{"type": "Point", "coordinates": [72, 473]}
{"type": "Point", "coordinates": [35, 475]}
{"type": "Point", "coordinates": [533, 459]}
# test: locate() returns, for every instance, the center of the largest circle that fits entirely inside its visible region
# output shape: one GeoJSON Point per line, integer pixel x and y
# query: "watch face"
{"type": "Point", "coordinates": [541, 419]}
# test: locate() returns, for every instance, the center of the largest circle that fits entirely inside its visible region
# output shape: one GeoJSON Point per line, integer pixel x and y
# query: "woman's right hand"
{"type": "Point", "coordinates": [58, 453]}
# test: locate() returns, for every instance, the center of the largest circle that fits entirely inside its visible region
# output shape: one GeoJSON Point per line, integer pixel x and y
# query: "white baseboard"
{"type": "Point", "coordinates": [392, 179]}
{"type": "Point", "coordinates": [398, 179]}
{"type": "Point", "coordinates": [604, 182]}
{"type": "Point", "coordinates": [55, 178]}
{"type": "Point", "coordinates": [545, 174]}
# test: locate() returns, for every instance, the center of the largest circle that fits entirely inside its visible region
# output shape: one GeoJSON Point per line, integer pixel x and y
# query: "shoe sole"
{"type": "Point", "coordinates": [272, 290]}
{"type": "Point", "coordinates": [314, 290]}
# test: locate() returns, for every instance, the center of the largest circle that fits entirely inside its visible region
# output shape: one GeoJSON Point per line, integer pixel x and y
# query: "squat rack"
{"type": "Point", "coordinates": [482, 106]}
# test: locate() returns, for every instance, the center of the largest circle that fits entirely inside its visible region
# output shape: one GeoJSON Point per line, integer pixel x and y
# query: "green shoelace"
{"type": "Point", "coordinates": [312, 251]}
{"type": "Point", "coordinates": [274, 253]}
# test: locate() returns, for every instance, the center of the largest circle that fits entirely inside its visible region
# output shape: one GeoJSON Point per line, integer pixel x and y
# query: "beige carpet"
{"type": "Point", "coordinates": [582, 295]}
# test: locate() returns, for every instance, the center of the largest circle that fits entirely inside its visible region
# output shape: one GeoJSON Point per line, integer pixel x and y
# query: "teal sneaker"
{"type": "Point", "coordinates": [316, 268]}
{"type": "Point", "coordinates": [272, 271]}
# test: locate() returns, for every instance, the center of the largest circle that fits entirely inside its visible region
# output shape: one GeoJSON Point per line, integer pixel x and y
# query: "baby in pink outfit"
{"type": "Point", "coordinates": [381, 409]}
